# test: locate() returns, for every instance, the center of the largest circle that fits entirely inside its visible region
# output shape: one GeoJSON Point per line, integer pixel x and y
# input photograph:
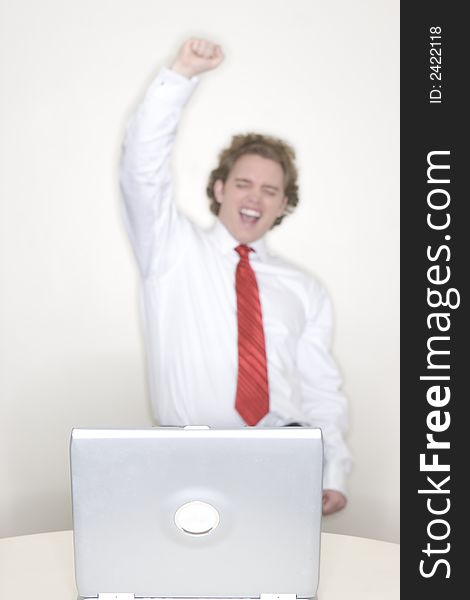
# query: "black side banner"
{"type": "Point", "coordinates": [435, 360]}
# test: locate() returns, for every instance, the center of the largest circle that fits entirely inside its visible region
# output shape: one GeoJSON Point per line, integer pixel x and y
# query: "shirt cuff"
{"type": "Point", "coordinates": [334, 478]}
{"type": "Point", "coordinates": [172, 88]}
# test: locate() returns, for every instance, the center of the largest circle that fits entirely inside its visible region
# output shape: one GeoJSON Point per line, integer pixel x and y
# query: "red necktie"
{"type": "Point", "coordinates": [252, 401]}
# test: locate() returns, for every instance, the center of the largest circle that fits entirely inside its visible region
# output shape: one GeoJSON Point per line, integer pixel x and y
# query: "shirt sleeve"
{"type": "Point", "coordinates": [152, 221]}
{"type": "Point", "coordinates": [323, 403]}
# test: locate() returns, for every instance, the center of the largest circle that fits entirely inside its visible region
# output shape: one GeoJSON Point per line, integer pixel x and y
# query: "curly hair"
{"type": "Point", "coordinates": [261, 145]}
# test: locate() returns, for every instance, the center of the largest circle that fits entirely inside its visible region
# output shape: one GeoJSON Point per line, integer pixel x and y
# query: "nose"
{"type": "Point", "coordinates": [254, 196]}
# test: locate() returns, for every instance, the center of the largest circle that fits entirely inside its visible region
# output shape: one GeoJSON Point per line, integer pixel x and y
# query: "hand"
{"type": "Point", "coordinates": [333, 501]}
{"type": "Point", "coordinates": [197, 56]}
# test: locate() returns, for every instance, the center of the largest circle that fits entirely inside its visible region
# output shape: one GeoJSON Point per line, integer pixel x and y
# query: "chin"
{"type": "Point", "coordinates": [246, 238]}
{"type": "Point", "coordinates": [245, 235]}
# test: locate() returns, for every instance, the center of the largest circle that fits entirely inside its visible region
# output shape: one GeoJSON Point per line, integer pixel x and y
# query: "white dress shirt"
{"type": "Point", "coordinates": [189, 301]}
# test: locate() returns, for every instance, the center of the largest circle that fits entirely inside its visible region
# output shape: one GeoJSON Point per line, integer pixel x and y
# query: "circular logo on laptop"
{"type": "Point", "coordinates": [196, 518]}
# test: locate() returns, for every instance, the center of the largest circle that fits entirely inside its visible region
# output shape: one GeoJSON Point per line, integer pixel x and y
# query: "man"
{"type": "Point", "coordinates": [235, 336]}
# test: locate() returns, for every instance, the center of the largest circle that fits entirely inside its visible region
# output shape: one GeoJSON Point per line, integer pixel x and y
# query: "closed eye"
{"type": "Point", "coordinates": [242, 183]}
{"type": "Point", "coordinates": [271, 191]}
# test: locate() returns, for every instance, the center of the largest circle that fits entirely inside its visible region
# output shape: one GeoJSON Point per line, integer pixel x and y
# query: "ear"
{"type": "Point", "coordinates": [219, 190]}
{"type": "Point", "coordinates": [282, 209]}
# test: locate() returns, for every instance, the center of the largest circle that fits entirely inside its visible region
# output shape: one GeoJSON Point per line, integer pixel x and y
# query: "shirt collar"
{"type": "Point", "coordinates": [226, 243]}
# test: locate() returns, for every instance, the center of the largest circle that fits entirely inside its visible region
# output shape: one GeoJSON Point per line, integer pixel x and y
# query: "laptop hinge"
{"type": "Point", "coordinates": [278, 597]}
{"type": "Point", "coordinates": [127, 596]}
{"type": "Point", "coordinates": [115, 596]}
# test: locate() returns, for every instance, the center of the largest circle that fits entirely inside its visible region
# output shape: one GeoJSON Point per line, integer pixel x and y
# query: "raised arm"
{"type": "Point", "coordinates": [155, 229]}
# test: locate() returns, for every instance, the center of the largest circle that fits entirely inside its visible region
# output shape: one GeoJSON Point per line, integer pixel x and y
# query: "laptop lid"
{"type": "Point", "coordinates": [197, 512]}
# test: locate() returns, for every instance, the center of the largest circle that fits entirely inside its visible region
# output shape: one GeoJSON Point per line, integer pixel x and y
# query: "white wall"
{"type": "Point", "coordinates": [324, 75]}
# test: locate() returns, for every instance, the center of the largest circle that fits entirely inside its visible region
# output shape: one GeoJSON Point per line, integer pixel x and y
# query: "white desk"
{"type": "Point", "coordinates": [40, 567]}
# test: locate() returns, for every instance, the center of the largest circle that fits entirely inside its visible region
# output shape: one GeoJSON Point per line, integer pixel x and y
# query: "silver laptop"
{"type": "Point", "coordinates": [196, 512]}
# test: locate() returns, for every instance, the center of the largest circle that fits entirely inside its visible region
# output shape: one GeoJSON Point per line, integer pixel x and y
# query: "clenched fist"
{"type": "Point", "coordinates": [197, 56]}
{"type": "Point", "coordinates": [333, 501]}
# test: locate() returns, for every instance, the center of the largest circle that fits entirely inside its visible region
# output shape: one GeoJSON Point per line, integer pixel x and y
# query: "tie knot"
{"type": "Point", "coordinates": [243, 250]}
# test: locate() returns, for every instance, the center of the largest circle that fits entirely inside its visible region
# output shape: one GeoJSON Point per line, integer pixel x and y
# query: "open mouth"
{"type": "Point", "coordinates": [249, 215]}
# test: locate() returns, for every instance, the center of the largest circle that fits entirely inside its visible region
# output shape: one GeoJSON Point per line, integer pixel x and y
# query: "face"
{"type": "Point", "coordinates": [252, 198]}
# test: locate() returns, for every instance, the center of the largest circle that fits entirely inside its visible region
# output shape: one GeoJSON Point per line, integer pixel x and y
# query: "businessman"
{"type": "Point", "coordinates": [235, 336]}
